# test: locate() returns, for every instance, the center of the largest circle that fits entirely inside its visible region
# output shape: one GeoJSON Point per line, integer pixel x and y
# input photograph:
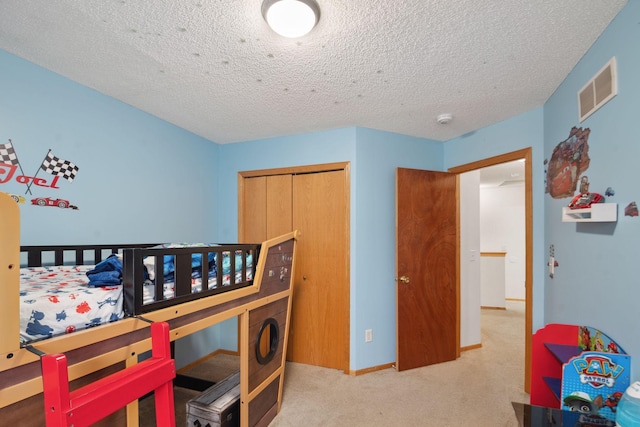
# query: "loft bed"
{"type": "Point", "coordinates": [259, 295]}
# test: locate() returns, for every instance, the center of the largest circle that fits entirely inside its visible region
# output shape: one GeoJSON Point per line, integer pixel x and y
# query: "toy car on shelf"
{"type": "Point", "coordinates": [585, 200]}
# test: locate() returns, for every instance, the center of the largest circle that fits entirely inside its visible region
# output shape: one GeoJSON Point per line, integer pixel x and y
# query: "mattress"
{"type": "Point", "coordinates": [56, 300]}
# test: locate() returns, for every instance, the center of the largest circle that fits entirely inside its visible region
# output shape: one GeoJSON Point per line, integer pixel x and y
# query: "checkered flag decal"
{"type": "Point", "coordinates": [57, 166]}
{"type": "Point", "coordinates": [8, 154]}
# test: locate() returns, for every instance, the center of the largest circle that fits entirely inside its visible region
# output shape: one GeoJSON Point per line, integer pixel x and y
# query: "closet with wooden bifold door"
{"type": "Point", "coordinates": [314, 200]}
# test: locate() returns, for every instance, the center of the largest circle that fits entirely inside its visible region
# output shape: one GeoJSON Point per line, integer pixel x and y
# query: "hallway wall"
{"type": "Point", "coordinates": [502, 229]}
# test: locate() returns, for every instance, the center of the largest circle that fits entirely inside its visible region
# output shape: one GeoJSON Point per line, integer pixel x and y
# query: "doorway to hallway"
{"type": "Point", "coordinates": [499, 160]}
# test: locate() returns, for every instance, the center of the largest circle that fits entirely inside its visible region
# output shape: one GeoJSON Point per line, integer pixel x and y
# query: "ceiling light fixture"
{"type": "Point", "coordinates": [291, 18]}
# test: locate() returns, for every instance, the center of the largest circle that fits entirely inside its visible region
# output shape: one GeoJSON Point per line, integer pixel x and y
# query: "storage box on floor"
{"type": "Point", "coordinates": [217, 406]}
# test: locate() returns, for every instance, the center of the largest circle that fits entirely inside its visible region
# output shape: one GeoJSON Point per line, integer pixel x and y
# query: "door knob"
{"type": "Point", "coordinates": [404, 279]}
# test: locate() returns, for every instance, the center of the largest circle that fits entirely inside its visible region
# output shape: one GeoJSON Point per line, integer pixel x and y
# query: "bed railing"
{"type": "Point", "coordinates": [135, 272]}
{"type": "Point", "coordinates": [38, 256]}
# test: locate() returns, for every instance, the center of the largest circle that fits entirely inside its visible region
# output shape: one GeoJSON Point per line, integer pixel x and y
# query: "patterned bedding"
{"type": "Point", "coordinates": [58, 300]}
{"type": "Point", "coordinates": [55, 300]}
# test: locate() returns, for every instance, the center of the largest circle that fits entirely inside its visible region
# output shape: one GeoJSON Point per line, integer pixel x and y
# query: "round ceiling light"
{"type": "Point", "coordinates": [291, 18]}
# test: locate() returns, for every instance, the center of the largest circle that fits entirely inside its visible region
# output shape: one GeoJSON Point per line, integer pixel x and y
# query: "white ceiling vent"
{"type": "Point", "coordinates": [598, 90]}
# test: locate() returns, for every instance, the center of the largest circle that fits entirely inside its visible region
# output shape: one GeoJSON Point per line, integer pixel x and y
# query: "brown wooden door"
{"type": "Point", "coordinates": [426, 268]}
{"type": "Point", "coordinates": [319, 329]}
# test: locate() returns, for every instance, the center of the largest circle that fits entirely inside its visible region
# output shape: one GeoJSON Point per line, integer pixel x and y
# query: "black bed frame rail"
{"type": "Point", "coordinates": [133, 274]}
{"type": "Point", "coordinates": [35, 253]}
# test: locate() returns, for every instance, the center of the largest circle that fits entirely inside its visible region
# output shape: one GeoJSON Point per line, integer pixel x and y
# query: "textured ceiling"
{"type": "Point", "coordinates": [213, 66]}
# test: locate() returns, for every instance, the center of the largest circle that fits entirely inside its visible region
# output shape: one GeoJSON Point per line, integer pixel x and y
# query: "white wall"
{"type": "Point", "coordinates": [502, 229]}
{"type": "Point", "coordinates": [492, 289]}
{"type": "Point", "coordinates": [470, 331]}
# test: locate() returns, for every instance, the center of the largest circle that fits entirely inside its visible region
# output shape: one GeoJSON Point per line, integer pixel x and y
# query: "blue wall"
{"type": "Point", "coordinates": [140, 179]}
{"type": "Point", "coordinates": [596, 282]}
{"type": "Point", "coordinates": [373, 288]}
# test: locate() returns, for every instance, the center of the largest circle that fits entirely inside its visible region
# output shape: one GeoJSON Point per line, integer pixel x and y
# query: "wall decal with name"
{"type": "Point", "coordinates": [53, 165]}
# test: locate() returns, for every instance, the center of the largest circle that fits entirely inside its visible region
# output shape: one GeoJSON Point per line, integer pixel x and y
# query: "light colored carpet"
{"type": "Point", "coordinates": [475, 390]}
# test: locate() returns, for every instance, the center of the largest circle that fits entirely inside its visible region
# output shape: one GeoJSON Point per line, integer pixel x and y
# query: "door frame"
{"type": "Point", "coordinates": [525, 154]}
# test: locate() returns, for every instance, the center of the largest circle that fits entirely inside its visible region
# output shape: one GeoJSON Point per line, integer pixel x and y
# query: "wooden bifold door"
{"type": "Point", "coordinates": [314, 200]}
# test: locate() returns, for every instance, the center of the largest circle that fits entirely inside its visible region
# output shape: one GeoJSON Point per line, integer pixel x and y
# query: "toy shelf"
{"type": "Point", "coordinates": [599, 212]}
{"type": "Point", "coordinates": [555, 385]}
{"type": "Point", "coordinates": [571, 363]}
{"type": "Point", "coordinates": [562, 353]}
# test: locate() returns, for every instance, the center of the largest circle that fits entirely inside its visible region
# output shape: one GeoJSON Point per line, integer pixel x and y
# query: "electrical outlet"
{"type": "Point", "coordinates": [368, 335]}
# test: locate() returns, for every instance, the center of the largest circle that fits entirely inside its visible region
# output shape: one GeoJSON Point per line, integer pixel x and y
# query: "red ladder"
{"type": "Point", "coordinates": [86, 405]}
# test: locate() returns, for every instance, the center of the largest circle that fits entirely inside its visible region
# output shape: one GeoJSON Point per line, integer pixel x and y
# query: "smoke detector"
{"type": "Point", "coordinates": [444, 119]}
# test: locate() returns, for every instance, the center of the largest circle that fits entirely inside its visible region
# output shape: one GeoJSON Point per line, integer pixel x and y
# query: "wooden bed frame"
{"type": "Point", "coordinates": [262, 307]}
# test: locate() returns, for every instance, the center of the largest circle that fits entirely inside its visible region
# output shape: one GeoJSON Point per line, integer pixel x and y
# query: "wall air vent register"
{"type": "Point", "coordinates": [600, 89]}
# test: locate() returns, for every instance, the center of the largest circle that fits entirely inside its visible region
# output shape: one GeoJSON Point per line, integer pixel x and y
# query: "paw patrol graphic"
{"type": "Point", "coordinates": [594, 380]}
